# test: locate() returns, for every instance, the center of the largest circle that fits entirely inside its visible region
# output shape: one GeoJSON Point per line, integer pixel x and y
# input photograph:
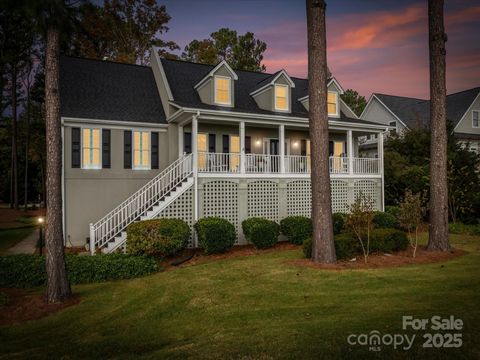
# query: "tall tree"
{"type": "Point", "coordinates": [121, 30]}
{"type": "Point", "coordinates": [354, 100]}
{"type": "Point", "coordinates": [438, 235]}
{"type": "Point", "coordinates": [242, 52]}
{"type": "Point", "coordinates": [323, 249]}
{"type": "Point", "coordinates": [52, 15]}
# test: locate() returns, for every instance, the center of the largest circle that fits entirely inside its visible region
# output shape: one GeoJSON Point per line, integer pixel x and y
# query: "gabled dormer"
{"type": "Point", "coordinates": [218, 86]}
{"type": "Point", "coordinates": [334, 102]}
{"type": "Point", "coordinates": [274, 92]}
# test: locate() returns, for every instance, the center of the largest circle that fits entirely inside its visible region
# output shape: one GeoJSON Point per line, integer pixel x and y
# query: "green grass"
{"type": "Point", "coordinates": [11, 237]}
{"type": "Point", "coordinates": [257, 307]}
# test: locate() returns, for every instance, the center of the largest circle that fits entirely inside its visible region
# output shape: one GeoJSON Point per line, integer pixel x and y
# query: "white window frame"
{"type": "Point", "coordinates": [229, 103]}
{"type": "Point", "coordinates": [337, 107]}
{"type": "Point", "coordinates": [149, 166]}
{"type": "Point", "coordinates": [478, 119]}
{"type": "Point", "coordinates": [91, 167]}
{"type": "Point", "coordinates": [287, 95]}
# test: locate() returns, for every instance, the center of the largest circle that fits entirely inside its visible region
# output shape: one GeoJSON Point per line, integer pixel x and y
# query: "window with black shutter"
{"type": "Point", "coordinates": [127, 149]}
{"type": "Point", "coordinates": [187, 142]}
{"type": "Point", "coordinates": [226, 144]}
{"type": "Point", "coordinates": [303, 147]}
{"type": "Point", "coordinates": [248, 145]}
{"type": "Point", "coordinates": [330, 148]}
{"type": "Point", "coordinates": [75, 147]}
{"type": "Point", "coordinates": [106, 148]}
{"type": "Point", "coordinates": [154, 150]}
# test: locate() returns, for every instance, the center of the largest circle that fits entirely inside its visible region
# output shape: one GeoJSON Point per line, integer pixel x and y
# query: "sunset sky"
{"type": "Point", "coordinates": [373, 46]}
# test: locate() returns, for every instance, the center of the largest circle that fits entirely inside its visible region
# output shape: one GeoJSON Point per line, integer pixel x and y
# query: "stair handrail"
{"type": "Point", "coordinates": [139, 202]}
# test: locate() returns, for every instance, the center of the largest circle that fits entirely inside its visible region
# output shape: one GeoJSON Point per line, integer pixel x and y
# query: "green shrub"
{"type": "Point", "coordinates": [384, 220]}
{"type": "Point", "coordinates": [158, 237]}
{"type": "Point", "coordinates": [393, 210]}
{"type": "Point", "coordinates": [261, 232]}
{"type": "Point", "coordinates": [3, 299]}
{"type": "Point", "coordinates": [463, 229]}
{"type": "Point", "coordinates": [215, 235]}
{"type": "Point", "coordinates": [29, 270]}
{"type": "Point", "coordinates": [347, 245]}
{"type": "Point", "coordinates": [338, 222]}
{"type": "Point", "coordinates": [296, 228]}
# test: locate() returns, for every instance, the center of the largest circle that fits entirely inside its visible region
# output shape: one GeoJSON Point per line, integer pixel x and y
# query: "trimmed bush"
{"type": "Point", "coordinates": [215, 235]}
{"type": "Point", "coordinates": [296, 228]}
{"type": "Point", "coordinates": [338, 222]}
{"type": "Point", "coordinates": [393, 210]}
{"type": "Point", "coordinates": [261, 232]}
{"type": "Point", "coordinates": [29, 270]}
{"type": "Point", "coordinates": [158, 237]}
{"type": "Point", "coordinates": [384, 220]}
{"type": "Point", "coordinates": [347, 246]}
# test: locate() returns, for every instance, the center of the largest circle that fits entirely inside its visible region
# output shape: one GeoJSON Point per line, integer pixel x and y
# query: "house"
{"type": "Point", "coordinates": [186, 140]}
{"type": "Point", "coordinates": [463, 110]}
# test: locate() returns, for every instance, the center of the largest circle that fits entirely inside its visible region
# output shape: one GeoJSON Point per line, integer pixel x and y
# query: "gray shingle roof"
{"type": "Point", "coordinates": [182, 76]}
{"type": "Point", "coordinates": [410, 110]}
{"type": "Point", "coordinates": [104, 90]}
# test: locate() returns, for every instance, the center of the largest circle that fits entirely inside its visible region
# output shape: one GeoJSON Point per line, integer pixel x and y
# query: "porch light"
{"type": "Point", "coordinates": [295, 144]}
{"type": "Point", "coordinates": [40, 220]}
{"type": "Point", "coordinates": [258, 142]}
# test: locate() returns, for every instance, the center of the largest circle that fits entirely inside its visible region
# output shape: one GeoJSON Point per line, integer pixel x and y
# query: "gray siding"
{"type": "Point", "coordinates": [465, 124]}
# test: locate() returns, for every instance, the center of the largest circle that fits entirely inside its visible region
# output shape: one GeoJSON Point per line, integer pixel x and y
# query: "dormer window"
{"type": "Point", "coordinates": [223, 94]}
{"type": "Point", "coordinates": [332, 103]}
{"type": "Point", "coordinates": [281, 97]}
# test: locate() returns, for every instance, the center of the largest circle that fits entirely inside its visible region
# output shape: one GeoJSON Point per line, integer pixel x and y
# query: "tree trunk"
{"type": "Point", "coordinates": [27, 144]}
{"type": "Point", "coordinates": [58, 287]}
{"type": "Point", "coordinates": [14, 137]}
{"type": "Point", "coordinates": [323, 249]}
{"type": "Point", "coordinates": [438, 235]}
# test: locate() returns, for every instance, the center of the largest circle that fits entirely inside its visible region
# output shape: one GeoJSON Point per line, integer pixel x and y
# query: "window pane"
{"type": "Point", "coordinates": [331, 97]}
{"type": "Point", "coordinates": [136, 140]}
{"type": "Point", "coordinates": [222, 90]}
{"type": "Point", "coordinates": [202, 142]}
{"type": "Point", "coordinates": [145, 141]}
{"type": "Point", "coordinates": [332, 103]}
{"type": "Point", "coordinates": [145, 158]}
{"type": "Point", "coordinates": [86, 138]}
{"type": "Point", "coordinates": [282, 91]}
{"type": "Point", "coordinates": [86, 157]}
{"type": "Point", "coordinates": [281, 103]}
{"type": "Point", "coordinates": [281, 97]}
{"type": "Point", "coordinates": [235, 144]}
{"type": "Point", "coordinates": [96, 138]}
{"type": "Point", "coordinates": [332, 109]}
{"type": "Point", "coordinates": [136, 158]}
{"type": "Point", "coordinates": [96, 157]}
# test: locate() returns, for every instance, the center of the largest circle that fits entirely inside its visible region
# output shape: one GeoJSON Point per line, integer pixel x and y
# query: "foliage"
{"type": "Point", "coordinates": [464, 229]}
{"type": "Point", "coordinates": [392, 210]}
{"type": "Point", "coordinates": [360, 221]}
{"type": "Point", "coordinates": [406, 164]}
{"type": "Point", "coordinates": [158, 237]}
{"type": "Point", "coordinates": [241, 52]}
{"type": "Point", "coordinates": [411, 215]}
{"type": "Point", "coordinates": [261, 232]}
{"type": "Point", "coordinates": [384, 220]}
{"type": "Point", "coordinates": [338, 222]}
{"type": "Point", "coordinates": [215, 235]}
{"type": "Point", "coordinates": [29, 270]}
{"type": "Point", "coordinates": [3, 299]}
{"type": "Point", "coordinates": [354, 100]}
{"type": "Point", "coordinates": [122, 30]}
{"type": "Point", "coordinates": [296, 228]}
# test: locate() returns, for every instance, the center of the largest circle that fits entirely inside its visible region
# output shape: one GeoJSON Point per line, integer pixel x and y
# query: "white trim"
{"type": "Point", "coordinates": [149, 166]}
{"type": "Point", "coordinates": [162, 73]}
{"type": "Point", "coordinates": [466, 112]}
{"type": "Point", "coordinates": [214, 70]}
{"type": "Point", "coordinates": [286, 175]}
{"type": "Point", "coordinates": [114, 124]}
{"type": "Point", "coordinates": [287, 98]}
{"type": "Point", "coordinates": [333, 80]}
{"type": "Point", "coordinates": [478, 119]}
{"type": "Point", "coordinates": [271, 83]}
{"type": "Point", "coordinates": [348, 107]}
{"type": "Point", "coordinates": [230, 103]}
{"type": "Point", "coordinates": [232, 116]}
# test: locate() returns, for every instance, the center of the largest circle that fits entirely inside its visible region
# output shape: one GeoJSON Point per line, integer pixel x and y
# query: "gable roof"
{"type": "Point", "coordinates": [183, 76]}
{"type": "Point", "coordinates": [104, 90]}
{"type": "Point", "coordinates": [271, 81]}
{"type": "Point", "coordinates": [410, 110]}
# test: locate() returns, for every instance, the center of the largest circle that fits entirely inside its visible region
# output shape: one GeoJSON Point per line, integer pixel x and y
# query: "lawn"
{"type": "Point", "coordinates": [258, 307]}
{"type": "Point", "coordinates": [10, 237]}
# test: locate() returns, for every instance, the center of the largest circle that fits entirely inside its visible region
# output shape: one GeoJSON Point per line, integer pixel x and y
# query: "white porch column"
{"type": "Point", "coordinates": [281, 140]}
{"type": "Point", "coordinates": [242, 146]}
{"type": "Point", "coordinates": [380, 168]}
{"type": "Point", "coordinates": [180, 140]}
{"type": "Point", "coordinates": [194, 143]}
{"type": "Point", "coordinates": [350, 151]}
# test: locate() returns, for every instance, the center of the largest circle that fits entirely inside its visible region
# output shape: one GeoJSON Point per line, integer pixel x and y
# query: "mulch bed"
{"type": "Point", "coordinates": [399, 258]}
{"type": "Point", "coordinates": [24, 305]}
{"type": "Point", "coordinates": [236, 251]}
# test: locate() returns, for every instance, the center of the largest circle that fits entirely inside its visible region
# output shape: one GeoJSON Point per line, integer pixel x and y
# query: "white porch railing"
{"type": "Point", "coordinates": [270, 164]}
{"type": "Point", "coordinates": [139, 203]}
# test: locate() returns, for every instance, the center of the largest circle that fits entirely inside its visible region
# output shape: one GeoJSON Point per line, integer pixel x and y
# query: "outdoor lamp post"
{"type": "Point", "coordinates": [41, 221]}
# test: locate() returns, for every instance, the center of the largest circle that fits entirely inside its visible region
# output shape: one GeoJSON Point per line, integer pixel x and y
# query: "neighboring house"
{"type": "Point", "coordinates": [463, 110]}
{"type": "Point", "coordinates": [186, 140]}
